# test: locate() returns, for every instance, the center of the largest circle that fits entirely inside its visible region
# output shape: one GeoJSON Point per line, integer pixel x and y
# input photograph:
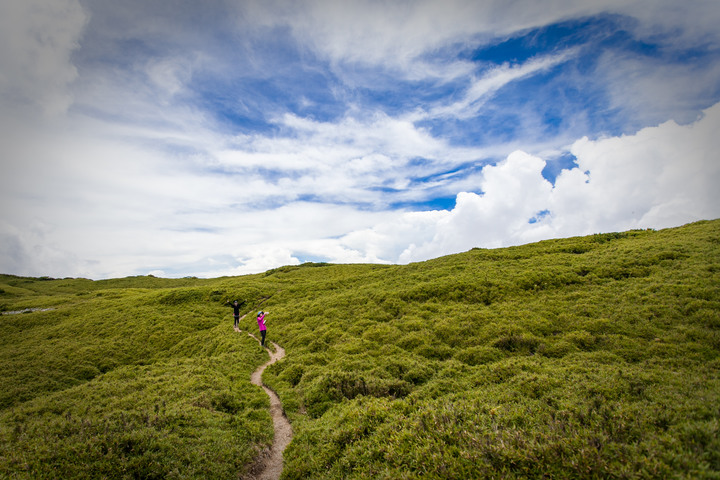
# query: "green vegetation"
{"type": "Point", "coordinates": [589, 357]}
{"type": "Point", "coordinates": [132, 378]}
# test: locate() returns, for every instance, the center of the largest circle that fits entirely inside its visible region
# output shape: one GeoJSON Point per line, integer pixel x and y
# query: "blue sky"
{"type": "Point", "coordinates": [215, 138]}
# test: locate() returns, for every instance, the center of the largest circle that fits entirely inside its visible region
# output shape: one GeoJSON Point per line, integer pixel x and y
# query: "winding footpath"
{"type": "Point", "coordinates": [270, 465]}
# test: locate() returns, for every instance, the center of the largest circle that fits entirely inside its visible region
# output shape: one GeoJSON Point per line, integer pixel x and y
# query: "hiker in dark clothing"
{"type": "Point", "coordinates": [236, 311]}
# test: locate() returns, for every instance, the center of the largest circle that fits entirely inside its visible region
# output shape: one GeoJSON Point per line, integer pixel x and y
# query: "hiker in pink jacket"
{"type": "Point", "coordinates": [261, 326]}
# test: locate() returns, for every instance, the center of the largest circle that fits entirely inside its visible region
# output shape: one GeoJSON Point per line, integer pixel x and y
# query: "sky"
{"type": "Point", "coordinates": [181, 138]}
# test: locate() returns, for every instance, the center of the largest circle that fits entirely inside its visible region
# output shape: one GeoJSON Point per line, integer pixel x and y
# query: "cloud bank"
{"type": "Point", "coordinates": [618, 184]}
{"type": "Point", "coordinates": [230, 138]}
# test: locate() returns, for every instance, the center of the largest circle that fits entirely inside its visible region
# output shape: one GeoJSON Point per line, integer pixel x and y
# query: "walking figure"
{"type": "Point", "coordinates": [261, 326]}
{"type": "Point", "coordinates": [236, 311]}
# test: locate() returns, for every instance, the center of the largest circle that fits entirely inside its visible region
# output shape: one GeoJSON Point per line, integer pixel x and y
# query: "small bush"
{"type": "Point", "coordinates": [583, 339]}
{"type": "Point", "coordinates": [518, 344]}
{"type": "Point", "coordinates": [556, 349]}
{"type": "Point", "coordinates": [478, 355]}
{"type": "Point", "coordinates": [292, 374]}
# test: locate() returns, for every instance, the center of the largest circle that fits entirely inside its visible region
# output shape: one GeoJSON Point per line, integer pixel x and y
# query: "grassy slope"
{"type": "Point", "coordinates": [127, 378]}
{"type": "Point", "coordinates": [588, 357]}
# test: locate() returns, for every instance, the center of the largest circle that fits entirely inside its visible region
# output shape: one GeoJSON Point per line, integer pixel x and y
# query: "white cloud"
{"type": "Point", "coordinates": [36, 41]}
{"type": "Point", "coordinates": [170, 75]}
{"type": "Point", "coordinates": [513, 192]}
{"type": "Point", "coordinates": [351, 160]}
{"type": "Point", "coordinates": [651, 89]}
{"type": "Point", "coordinates": [493, 80]}
{"type": "Point", "coordinates": [262, 258]}
{"type": "Point", "coordinates": [120, 211]}
{"type": "Point", "coordinates": [399, 34]}
{"type": "Point", "coordinates": [661, 177]}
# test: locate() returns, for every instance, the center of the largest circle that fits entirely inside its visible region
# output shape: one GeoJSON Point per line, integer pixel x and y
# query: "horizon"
{"type": "Point", "coordinates": [230, 138]}
{"type": "Point", "coordinates": [187, 277]}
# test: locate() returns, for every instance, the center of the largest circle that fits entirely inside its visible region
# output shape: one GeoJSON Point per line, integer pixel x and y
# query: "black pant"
{"type": "Point", "coordinates": [263, 332]}
{"type": "Point", "coordinates": [237, 320]}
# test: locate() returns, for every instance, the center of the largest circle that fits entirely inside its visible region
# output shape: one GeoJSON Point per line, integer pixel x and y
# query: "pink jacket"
{"type": "Point", "coordinates": [261, 322]}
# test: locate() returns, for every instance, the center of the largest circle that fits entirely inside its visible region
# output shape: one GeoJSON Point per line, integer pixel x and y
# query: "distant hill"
{"type": "Point", "coordinates": [587, 357]}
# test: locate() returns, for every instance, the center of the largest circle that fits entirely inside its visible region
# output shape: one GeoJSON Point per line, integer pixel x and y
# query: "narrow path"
{"type": "Point", "coordinates": [27, 310]}
{"type": "Point", "coordinates": [270, 465]}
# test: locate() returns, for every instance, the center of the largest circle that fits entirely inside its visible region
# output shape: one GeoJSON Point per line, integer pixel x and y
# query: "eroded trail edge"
{"type": "Point", "coordinates": [269, 466]}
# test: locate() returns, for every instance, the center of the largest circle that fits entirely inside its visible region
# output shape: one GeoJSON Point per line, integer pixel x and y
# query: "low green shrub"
{"type": "Point", "coordinates": [517, 344]}
{"type": "Point", "coordinates": [478, 355]}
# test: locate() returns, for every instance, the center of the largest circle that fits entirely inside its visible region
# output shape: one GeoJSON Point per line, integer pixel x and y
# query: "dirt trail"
{"type": "Point", "coordinates": [270, 464]}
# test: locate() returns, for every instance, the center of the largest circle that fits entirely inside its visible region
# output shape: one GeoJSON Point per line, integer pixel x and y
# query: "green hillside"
{"type": "Point", "coordinates": [589, 357]}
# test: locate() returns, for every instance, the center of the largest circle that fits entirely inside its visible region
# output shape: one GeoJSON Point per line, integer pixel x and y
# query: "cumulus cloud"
{"type": "Point", "coordinates": [660, 177]}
